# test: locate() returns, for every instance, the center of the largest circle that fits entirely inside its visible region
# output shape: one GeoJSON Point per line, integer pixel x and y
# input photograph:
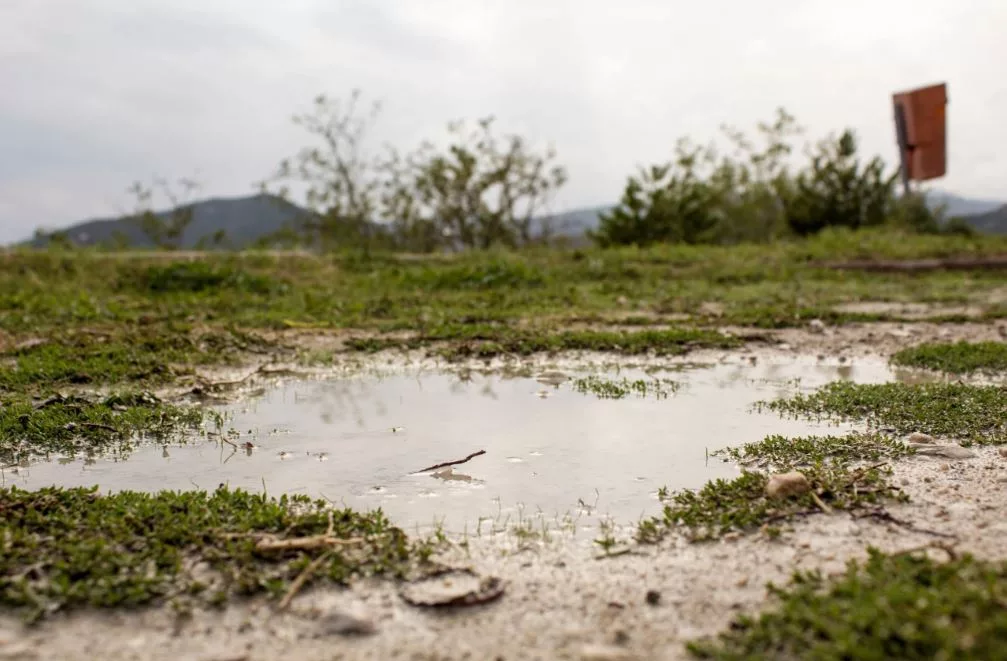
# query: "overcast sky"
{"type": "Point", "coordinates": [97, 93]}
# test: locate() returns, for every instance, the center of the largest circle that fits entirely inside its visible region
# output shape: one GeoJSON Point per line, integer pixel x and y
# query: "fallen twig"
{"type": "Point", "coordinates": [860, 473]}
{"type": "Point", "coordinates": [452, 463]}
{"type": "Point", "coordinates": [818, 501]}
{"type": "Point", "coordinates": [947, 548]}
{"type": "Point", "coordinates": [884, 515]}
{"type": "Point", "coordinates": [302, 578]}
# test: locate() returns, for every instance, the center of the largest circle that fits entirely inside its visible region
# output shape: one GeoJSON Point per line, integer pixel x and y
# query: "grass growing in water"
{"type": "Point", "coordinates": [956, 357]}
{"type": "Point", "coordinates": [829, 463]}
{"type": "Point", "coordinates": [487, 341]}
{"type": "Point", "coordinates": [65, 548]}
{"type": "Point", "coordinates": [784, 453]}
{"type": "Point", "coordinates": [968, 413]}
{"type": "Point", "coordinates": [78, 425]}
{"type": "Point", "coordinates": [901, 606]}
{"type": "Point", "coordinates": [604, 388]}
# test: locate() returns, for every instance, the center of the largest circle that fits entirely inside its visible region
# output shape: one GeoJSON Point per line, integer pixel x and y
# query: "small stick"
{"type": "Point", "coordinates": [452, 463]}
{"type": "Point", "coordinates": [305, 543]}
{"type": "Point", "coordinates": [818, 501]}
{"type": "Point", "coordinates": [302, 578]}
{"type": "Point", "coordinates": [96, 425]}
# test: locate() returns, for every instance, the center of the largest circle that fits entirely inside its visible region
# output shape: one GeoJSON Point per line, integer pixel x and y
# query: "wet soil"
{"type": "Point", "coordinates": [561, 601]}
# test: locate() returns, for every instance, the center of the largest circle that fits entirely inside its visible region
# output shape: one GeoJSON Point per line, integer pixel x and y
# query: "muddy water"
{"type": "Point", "coordinates": [549, 449]}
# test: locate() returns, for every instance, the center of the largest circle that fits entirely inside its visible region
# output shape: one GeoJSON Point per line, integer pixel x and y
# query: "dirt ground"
{"type": "Point", "coordinates": [560, 600]}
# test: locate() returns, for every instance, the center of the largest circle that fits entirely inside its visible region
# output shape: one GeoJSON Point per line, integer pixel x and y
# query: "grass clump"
{"type": "Point", "coordinates": [968, 413]}
{"type": "Point", "coordinates": [66, 548]}
{"type": "Point", "coordinates": [784, 453]}
{"type": "Point", "coordinates": [844, 474]}
{"type": "Point", "coordinates": [78, 425]}
{"type": "Point", "coordinates": [742, 505]}
{"type": "Point", "coordinates": [604, 388]}
{"type": "Point", "coordinates": [903, 606]}
{"type": "Point", "coordinates": [200, 276]}
{"type": "Point", "coordinates": [123, 355]}
{"type": "Point", "coordinates": [955, 358]}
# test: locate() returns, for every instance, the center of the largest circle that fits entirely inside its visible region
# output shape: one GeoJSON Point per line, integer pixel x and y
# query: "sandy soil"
{"type": "Point", "coordinates": [561, 601]}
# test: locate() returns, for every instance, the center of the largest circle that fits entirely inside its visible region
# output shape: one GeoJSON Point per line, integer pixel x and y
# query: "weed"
{"type": "Point", "coordinates": [783, 453]}
{"type": "Point", "coordinates": [969, 413]}
{"type": "Point", "coordinates": [66, 548]}
{"type": "Point", "coordinates": [605, 388]}
{"type": "Point", "coordinates": [956, 358]}
{"type": "Point", "coordinates": [901, 606]}
{"type": "Point", "coordinates": [78, 425]}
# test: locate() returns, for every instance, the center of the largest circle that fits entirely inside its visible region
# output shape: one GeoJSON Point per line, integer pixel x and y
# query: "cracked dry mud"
{"type": "Point", "coordinates": [561, 601]}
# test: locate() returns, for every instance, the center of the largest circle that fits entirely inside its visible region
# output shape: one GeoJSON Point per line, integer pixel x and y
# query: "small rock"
{"type": "Point", "coordinates": [621, 638]}
{"type": "Point", "coordinates": [951, 451]}
{"type": "Point", "coordinates": [1003, 452]}
{"type": "Point", "coordinates": [345, 624]}
{"type": "Point", "coordinates": [783, 485]}
{"type": "Point", "coordinates": [622, 300]}
{"type": "Point", "coordinates": [653, 597]}
{"type": "Point", "coordinates": [816, 326]}
{"type": "Point", "coordinates": [920, 437]}
{"type": "Point", "coordinates": [594, 652]}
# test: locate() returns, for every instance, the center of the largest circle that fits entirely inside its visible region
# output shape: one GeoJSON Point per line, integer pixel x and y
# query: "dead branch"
{"type": "Point", "coordinates": [918, 265]}
{"type": "Point", "coordinates": [452, 463]}
{"type": "Point", "coordinates": [818, 501]}
{"type": "Point", "coordinates": [302, 578]}
{"type": "Point", "coordinates": [947, 548]}
{"type": "Point", "coordinates": [884, 515]}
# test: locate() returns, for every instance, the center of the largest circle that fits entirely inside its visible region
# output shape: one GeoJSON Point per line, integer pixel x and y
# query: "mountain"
{"type": "Point", "coordinates": [245, 220]}
{"type": "Point", "coordinates": [991, 222]}
{"type": "Point", "coordinates": [960, 206]}
{"type": "Point", "coordinates": [242, 220]}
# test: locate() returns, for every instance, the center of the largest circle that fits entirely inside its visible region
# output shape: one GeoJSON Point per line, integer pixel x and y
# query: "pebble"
{"type": "Point", "coordinates": [653, 597]}
{"type": "Point", "coordinates": [783, 485]}
{"type": "Point", "coordinates": [920, 437]}
{"type": "Point", "coordinates": [1003, 452]}
{"type": "Point", "coordinates": [816, 326]}
{"type": "Point", "coordinates": [946, 451]}
{"type": "Point", "coordinates": [343, 624]}
{"type": "Point", "coordinates": [594, 652]}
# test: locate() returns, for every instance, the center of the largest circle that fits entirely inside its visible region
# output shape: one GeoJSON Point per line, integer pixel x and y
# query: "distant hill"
{"type": "Point", "coordinates": [991, 222]}
{"type": "Point", "coordinates": [245, 220]}
{"type": "Point", "coordinates": [961, 206]}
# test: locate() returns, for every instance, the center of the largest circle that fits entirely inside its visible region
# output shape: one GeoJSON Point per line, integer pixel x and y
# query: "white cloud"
{"type": "Point", "coordinates": [98, 93]}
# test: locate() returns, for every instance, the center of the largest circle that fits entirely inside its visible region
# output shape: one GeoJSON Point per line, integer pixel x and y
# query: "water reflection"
{"type": "Point", "coordinates": [360, 440]}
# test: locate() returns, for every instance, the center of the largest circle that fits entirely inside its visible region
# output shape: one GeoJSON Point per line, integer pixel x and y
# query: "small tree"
{"type": "Point", "coordinates": [341, 183]}
{"type": "Point", "coordinates": [164, 230]}
{"type": "Point", "coordinates": [835, 191]}
{"type": "Point", "coordinates": [479, 192]}
{"type": "Point", "coordinates": [702, 196]}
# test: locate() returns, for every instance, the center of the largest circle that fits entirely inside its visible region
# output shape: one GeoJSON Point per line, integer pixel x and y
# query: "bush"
{"type": "Point", "coordinates": [751, 195]}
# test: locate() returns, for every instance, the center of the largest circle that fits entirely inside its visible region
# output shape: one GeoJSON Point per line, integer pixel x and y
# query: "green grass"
{"type": "Point", "coordinates": [70, 548]}
{"type": "Point", "coordinates": [846, 473]}
{"type": "Point", "coordinates": [784, 453]}
{"type": "Point", "coordinates": [487, 342]}
{"type": "Point", "coordinates": [955, 358]}
{"type": "Point", "coordinates": [141, 357]}
{"type": "Point", "coordinates": [605, 388]}
{"type": "Point", "coordinates": [77, 425]}
{"type": "Point", "coordinates": [904, 606]}
{"type": "Point", "coordinates": [964, 412]}
{"type": "Point", "coordinates": [151, 318]}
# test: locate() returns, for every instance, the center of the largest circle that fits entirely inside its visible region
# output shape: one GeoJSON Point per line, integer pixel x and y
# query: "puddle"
{"type": "Point", "coordinates": [360, 441]}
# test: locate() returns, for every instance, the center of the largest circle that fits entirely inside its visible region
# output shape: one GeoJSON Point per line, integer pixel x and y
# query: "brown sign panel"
{"type": "Point", "coordinates": [921, 127]}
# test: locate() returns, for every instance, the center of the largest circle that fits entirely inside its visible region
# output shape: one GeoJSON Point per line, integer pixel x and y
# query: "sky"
{"type": "Point", "coordinates": [95, 94]}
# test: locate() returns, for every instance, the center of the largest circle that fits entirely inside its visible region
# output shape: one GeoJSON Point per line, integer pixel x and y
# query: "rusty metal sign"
{"type": "Point", "coordinates": [921, 130]}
